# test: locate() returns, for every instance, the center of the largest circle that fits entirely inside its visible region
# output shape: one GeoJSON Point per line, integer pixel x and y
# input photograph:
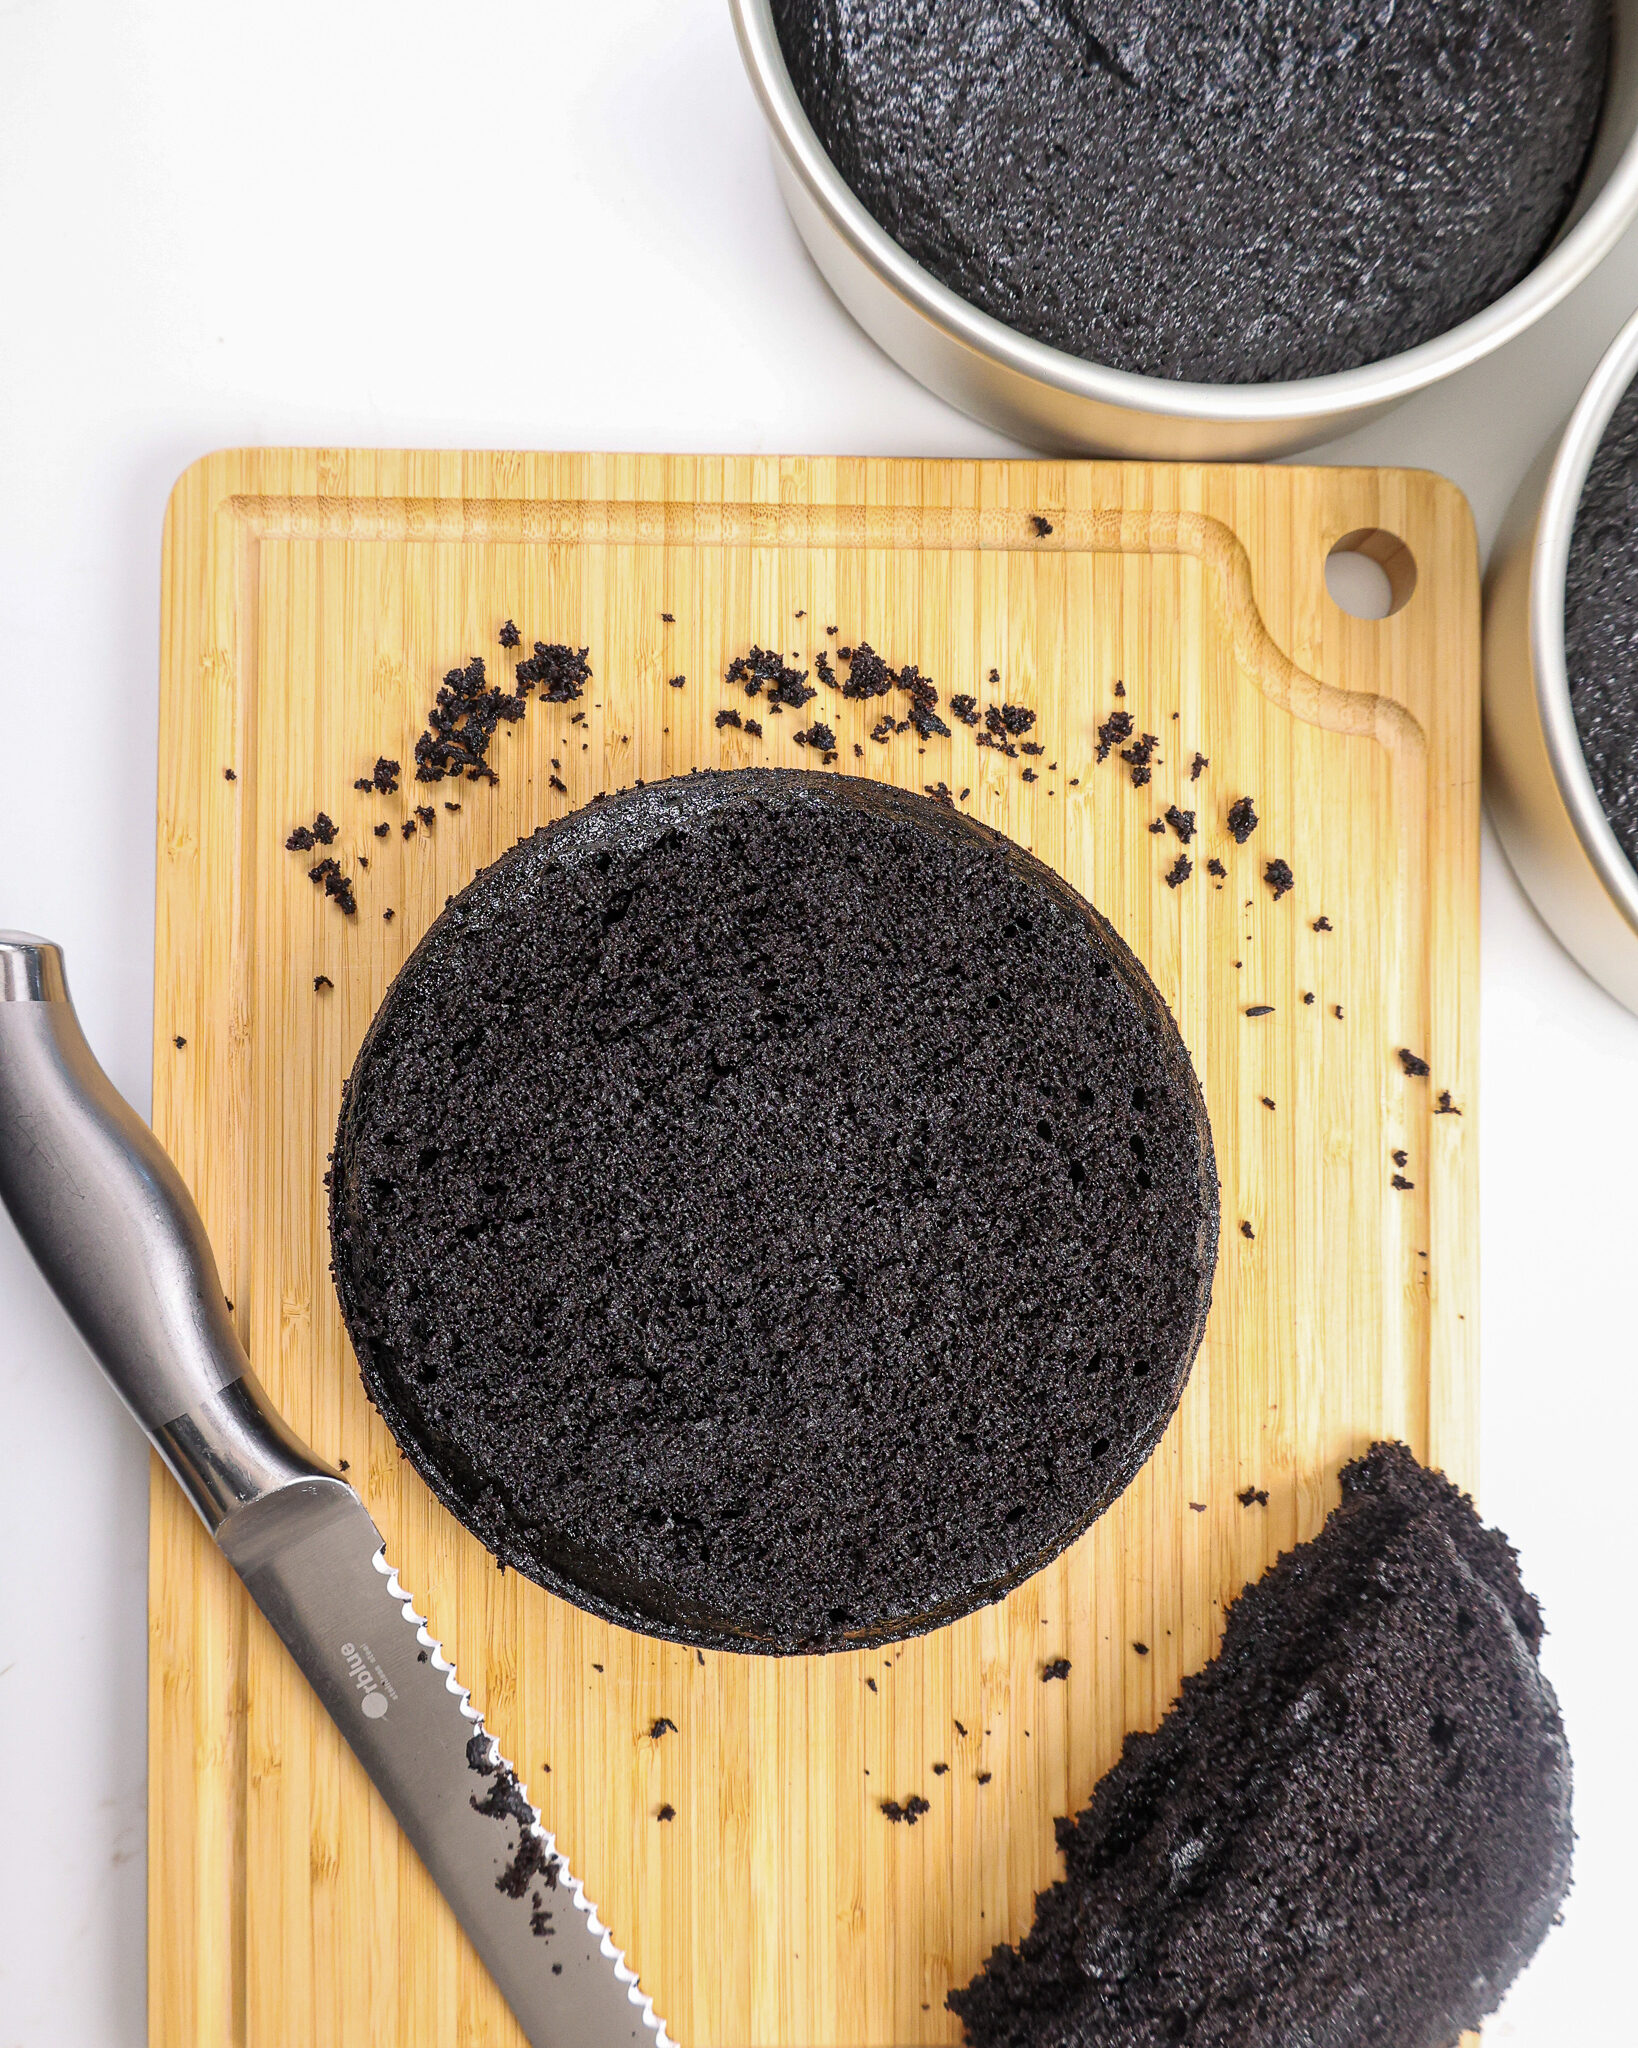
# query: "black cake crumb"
{"type": "Point", "coordinates": [322, 981]}
{"type": "Point", "coordinates": [817, 735]}
{"type": "Point", "coordinates": [761, 670]}
{"type": "Point", "coordinates": [727, 716]}
{"type": "Point", "coordinates": [1308, 996]}
{"type": "Point", "coordinates": [1259, 1009]}
{"type": "Point", "coordinates": [1198, 767]}
{"type": "Point", "coordinates": [1179, 871]}
{"type": "Point", "coordinates": [661, 994]}
{"type": "Point", "coordinates": [1142, 1649]}
{"type": "Point", "coordinates": [941, 1770]}
{"type": "Point", "coordinates": [179, 1042]}
{"type": "Point", "coordinates": [983, 1777]}
{"type": "Point", "coordinates": [910, 1812]}
{"type": "Point", "coordinates": [1247, 1231]}
{"type": "Point", "coordinates": [666, 1812]}
{"type": "Point", "coordinates": [1446, 1106]}
{"type": "Point", "coordinates": [1242, 819]}
{"type": "Point", "coordinates": [321, 832]}
{"type": "Point", "coordinates": [1181, 822]}
{"type": "Point", "coordinates": [1215, 867]}
{"type": "Point", "coordinates": [1399, 1181]}
{"type": "Point", "coordinates": [228, 775]}
{"type": "Point", "coordinates": [1323, 924]}
{"type": "Point", "coordinates": [678, 682]}
{"type": "Point", "coordinates": [1253, 1497]}
{"type": "Point", "coordinates": [509, 636]}
{"type": "Point", "coordinates": [1116, 727]}
{"type": "Point", "coordinates": [1139, 757]}
{"type": "Point", "coordinates": [1279, 878]}
{"type": "Point", "coordinates": [1413, 1063]}
{"type": "Point", "coordinates": [382, 829]}
{"type": "Point", "coordinates": [868, 674]}
{"type": "Point", "coordinates": [1042, 525]}
{"type": "Point", "coordinates": [1060, 1667]}
{"type": "Point", "coordinates": [663, 1725]}
{"type": "Point", "coordinates": [1353, 1826]}
{"type": "Point", "coordinates": [753, 728]}
{"type": "Point", "coordinates": [965, 708]}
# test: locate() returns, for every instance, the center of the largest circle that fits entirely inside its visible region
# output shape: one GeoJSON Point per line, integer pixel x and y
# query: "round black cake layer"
{"type": "Point", "coordinates": [1601, 622]}
{"type": "Point", "coordinates": [774, 1210]}
{"type": "Point", "coordinates": [1352, 1828]}
{"type": "Point", "coordinates": [1223, 191]}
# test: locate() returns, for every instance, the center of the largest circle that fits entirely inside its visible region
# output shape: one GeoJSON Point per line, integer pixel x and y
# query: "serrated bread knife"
{"type": "Point", "coordinates": [106, 1215]}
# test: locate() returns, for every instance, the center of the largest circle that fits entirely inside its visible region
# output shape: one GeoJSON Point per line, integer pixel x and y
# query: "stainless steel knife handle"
{"type": "Point", "coordinates": [115, 1232]}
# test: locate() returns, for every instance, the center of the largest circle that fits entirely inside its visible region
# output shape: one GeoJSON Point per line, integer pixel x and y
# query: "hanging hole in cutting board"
{"type": "Point", "coordinates": [1370, 573]}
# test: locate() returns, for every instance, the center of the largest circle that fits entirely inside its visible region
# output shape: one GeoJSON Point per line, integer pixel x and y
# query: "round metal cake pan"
{"type": "Point", "coordinates": [1052, 400]}
{"type": "Point", "coordinates": [1541, 794]}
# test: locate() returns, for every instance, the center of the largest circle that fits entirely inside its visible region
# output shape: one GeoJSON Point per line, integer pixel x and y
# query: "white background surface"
{"type": "Point", "coordinates": [553, 225]}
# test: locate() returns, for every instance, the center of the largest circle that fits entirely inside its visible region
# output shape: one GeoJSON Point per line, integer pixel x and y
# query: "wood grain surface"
{"type": "Point", "coordinates": [312, 602]}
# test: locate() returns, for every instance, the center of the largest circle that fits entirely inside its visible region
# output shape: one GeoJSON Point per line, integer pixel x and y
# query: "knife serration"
{"type": "Point", "coordinates": [315, 1564]}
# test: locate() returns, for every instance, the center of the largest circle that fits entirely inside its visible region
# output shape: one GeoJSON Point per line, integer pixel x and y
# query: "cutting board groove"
{"type": "Point", "coordinates": [312, 602]}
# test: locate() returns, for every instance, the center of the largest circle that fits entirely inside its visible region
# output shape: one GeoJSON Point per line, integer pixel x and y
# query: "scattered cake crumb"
{"type": "Point", "coordinates": [1242, 819]}
{"type": "Point", "coordinates": [1253, 1496]}
{"type": "Point", "coordinates": [1060, 1667]}
{"type": "Point", "coordinates": [1279, 878]}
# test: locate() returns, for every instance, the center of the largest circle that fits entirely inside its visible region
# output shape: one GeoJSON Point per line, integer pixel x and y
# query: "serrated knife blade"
{"type": "Point", "coordinates": [115, 1232]}
{"type": "Point", "coordinates": [315, 1565]}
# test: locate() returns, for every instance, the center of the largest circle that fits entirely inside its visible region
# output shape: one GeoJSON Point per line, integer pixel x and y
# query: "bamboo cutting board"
{"type": "Point", "coordinates": [312, 602]}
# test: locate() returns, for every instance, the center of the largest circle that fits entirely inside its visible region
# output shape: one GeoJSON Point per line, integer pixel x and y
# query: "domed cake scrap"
{"type": "Point", "coordinates": [1353, 1827]}
{"type": "Point", "coordinates": [774, 1211]}
{"type": "Point", "coordinates": [1218, 191]}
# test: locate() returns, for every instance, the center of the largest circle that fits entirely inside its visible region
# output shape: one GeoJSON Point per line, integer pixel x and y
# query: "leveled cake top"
{"type": "Point", "coordinates": [774, 1210]}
